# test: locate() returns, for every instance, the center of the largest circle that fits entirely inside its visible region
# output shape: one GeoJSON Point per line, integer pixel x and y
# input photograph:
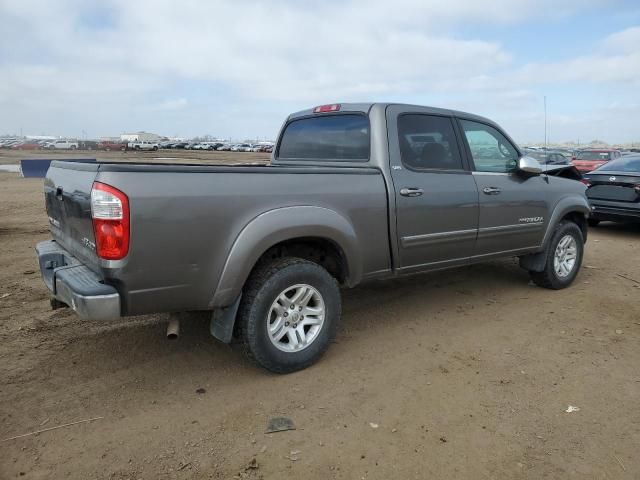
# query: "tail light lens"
{"type": "Point", "coordinates": [110, 214]}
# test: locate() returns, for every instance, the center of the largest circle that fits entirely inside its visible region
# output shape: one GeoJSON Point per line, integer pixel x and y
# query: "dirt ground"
{"type": "Point", "coordinates": [462, 374]}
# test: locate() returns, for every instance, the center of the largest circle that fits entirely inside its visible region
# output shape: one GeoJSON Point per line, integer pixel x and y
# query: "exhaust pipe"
{"type": "Point", "coordinates": [173, 329]}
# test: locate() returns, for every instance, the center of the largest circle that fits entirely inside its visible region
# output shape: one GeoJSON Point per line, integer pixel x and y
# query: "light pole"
{"type": "Point", "coordinates": [545, 122]}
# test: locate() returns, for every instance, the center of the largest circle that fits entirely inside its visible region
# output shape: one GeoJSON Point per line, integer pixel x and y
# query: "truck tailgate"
{"type": "Point", "coordinates": [67, 191]}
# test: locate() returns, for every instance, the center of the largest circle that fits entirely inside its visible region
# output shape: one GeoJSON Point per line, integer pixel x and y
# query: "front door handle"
{"type": "Point", "coordinates": [491, 190]}
{"type": "Point", "coordinates": [411, 192]}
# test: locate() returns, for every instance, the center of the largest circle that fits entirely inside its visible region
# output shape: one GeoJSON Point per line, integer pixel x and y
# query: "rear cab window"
{"type": "Point", "coordinates": [428, 142]}
{"type": "Point", "coordinates": [336, 137]}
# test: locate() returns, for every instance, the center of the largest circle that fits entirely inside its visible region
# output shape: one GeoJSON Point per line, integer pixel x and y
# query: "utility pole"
{"type": "Point", "coordinates": [545, 122]}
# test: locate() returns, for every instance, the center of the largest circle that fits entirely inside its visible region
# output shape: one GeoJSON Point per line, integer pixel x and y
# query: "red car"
{"type": "Point", "coordinates": [28, 145]}
{"type": "Point", "coordinates": [587, 160]}
{"type": "Point", "coordinates": [110, 145]}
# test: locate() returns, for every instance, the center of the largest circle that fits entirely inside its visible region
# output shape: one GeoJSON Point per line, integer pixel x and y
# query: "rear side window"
{"type": "Point", "coordinates": [428, 142]}
{"type": "Point", "coordinates": [342, 137]}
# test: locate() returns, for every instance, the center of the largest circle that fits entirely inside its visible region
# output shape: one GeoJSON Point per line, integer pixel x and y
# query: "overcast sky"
{"type": "Point", "coordinates": [237, 68]}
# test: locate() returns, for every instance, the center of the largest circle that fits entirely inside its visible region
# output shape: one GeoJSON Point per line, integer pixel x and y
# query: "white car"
{"type": "Point", "coordinates": [143, 145]}
{"type": "Point", "coordinates": [62, 145]}
{"type": "Point", "coordinates": [241, 147]}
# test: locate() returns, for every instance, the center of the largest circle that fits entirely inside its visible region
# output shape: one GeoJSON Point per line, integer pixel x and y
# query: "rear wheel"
{"type": "Point", "coordinates": [289, 314]}
{"type": "Point", "coordinates": [564, 258]}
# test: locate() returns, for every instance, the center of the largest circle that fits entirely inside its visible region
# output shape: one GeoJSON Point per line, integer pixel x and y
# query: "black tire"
{"type": "Point", "coordinates": [265, 284]}
{"type": "Point", "coordinates": [548, 278]}
{"type": "Point", "coordinates": [155, 149]}
{"type": "Point", "coordinates": [593, 222]}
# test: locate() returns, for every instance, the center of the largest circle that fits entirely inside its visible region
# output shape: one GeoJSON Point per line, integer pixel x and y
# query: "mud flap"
{"type": "Point", "coordinates": [223, 321]}
{"type": "Point", "coordinates": [533, 262]}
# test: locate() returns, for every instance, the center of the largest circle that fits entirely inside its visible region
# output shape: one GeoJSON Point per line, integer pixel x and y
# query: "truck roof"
{"type": "Point", "coordinates": [366, 107]}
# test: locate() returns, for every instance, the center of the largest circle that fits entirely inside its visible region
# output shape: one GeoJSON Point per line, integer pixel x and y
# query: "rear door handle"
{"type": "Point", "coordinates": [491, 190]}
{"type": "Point", "coordinates": [411, 192]}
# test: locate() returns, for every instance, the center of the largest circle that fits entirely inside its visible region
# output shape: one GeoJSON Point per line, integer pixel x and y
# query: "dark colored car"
{"type": "Point", "coordinates": [180, 145]}
{"type": "Point", "coordinates": [549, 157]}
{"type": "Point", "coordinates": [590, 159]}
{"type": "Point", "coordinates": [614, 191]}
{"type": "Point", "coordinates": [110, 145]}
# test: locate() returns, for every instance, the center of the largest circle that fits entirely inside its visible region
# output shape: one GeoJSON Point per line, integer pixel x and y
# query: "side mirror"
{"type": "Point", "coordinates": [529, 165]}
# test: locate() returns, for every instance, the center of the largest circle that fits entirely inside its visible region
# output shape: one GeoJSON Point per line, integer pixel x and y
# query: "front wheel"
{"type": "Point", "coordinates": [564, 258]}
{"type": "Point", "coordinates": [289, 314]}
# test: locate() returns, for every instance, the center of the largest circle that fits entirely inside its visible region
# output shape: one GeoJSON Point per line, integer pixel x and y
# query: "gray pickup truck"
{"type": "Point", "coordinates": [354, 192]}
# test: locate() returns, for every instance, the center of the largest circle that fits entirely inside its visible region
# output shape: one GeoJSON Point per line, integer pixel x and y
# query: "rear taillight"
{"type": "Point", "coordinates": [110, 214]}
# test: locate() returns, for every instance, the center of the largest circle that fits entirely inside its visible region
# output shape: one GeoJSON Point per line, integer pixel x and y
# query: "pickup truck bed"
{"type": "Point", "coordinates": [177, 255]}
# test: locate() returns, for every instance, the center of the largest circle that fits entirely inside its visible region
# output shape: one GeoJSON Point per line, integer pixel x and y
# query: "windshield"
{"type": "Point", "coordinates": [628, 164]}
{"type": "Point", "coordinates": [593, 156]}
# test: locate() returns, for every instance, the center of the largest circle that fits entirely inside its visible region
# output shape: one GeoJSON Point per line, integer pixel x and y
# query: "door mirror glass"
{"type": "Point", "coordinates": [529, 165]}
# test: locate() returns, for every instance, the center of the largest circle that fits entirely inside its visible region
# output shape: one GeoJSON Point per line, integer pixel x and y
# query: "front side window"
{"type": "Point", "coordinates": [490, 150]}
{"type": "Point", "coordinates": [427, 142]}
{"type": "Point", "coordinates": [343, 137]}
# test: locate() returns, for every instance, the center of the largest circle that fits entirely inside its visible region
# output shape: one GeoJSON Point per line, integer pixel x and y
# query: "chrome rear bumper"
{"type": "Point", "coordinates": [76, 285]}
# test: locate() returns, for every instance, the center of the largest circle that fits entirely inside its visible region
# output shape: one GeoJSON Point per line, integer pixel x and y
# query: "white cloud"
{"type": "Point", "coordinates": [119, 58]}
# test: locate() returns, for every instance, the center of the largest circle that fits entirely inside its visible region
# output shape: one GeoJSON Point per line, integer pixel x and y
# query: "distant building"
{"type": "Point", "coordinates": [140, 137]}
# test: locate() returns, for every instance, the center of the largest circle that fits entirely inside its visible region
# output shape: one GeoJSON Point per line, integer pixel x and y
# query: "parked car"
{"type": "Point", "coordinates": [614, 191]}
{"type": "Point", "coordinates": [241, 147]}
{"type": "Point", "coordinates": [27, 145]}
{"type": "Point", "coordinates": [87, 145]}
{"type": "Point", "coordinates": [180, 145]}
{"type": "Point", "coordinates": [549, 157]}
{"type": "Point", "coordinates": [226, 147]}
{"type": "Point", "coordinates": [109, 145]}
{"type": "Point", "coordinates": [143, 145]}
{"type": "Point", "coordinates": [590, 159]}
{"type": "Point", "coordinates": [63, 145]}
{"type": "Point", "coordinates": [266, 248]}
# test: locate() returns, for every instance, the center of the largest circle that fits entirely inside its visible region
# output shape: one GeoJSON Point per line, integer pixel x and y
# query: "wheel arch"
{"type": "Point", "coordinates": [572, 207]}
{"type": "Point", "coordinates": [314, 233]}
